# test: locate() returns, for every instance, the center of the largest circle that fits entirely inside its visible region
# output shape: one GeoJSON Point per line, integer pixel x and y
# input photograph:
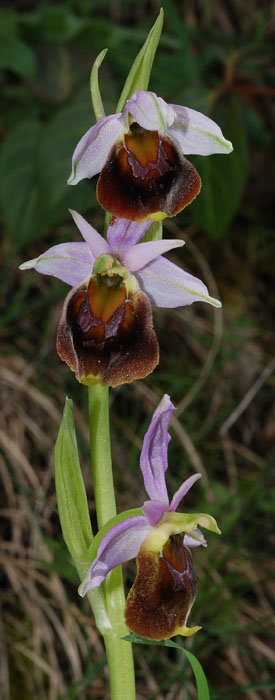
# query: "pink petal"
{"type": "Point", "coordinates": [154, 458]}
{"type": "Point", "coordinates": [140, 255]}
{"type": "Point", "coordinates": [183, 489]}
{"type": "Point", "coordinates": [93, 148]}
{"type": "Point", "coordinates": [120, 544]}
{"type": "Point", "coordinates": [153, 511]}
{"type": "Point", "coordinates": [70, 262]}
{"type": "Point", "coordinates": [198, 134]}
{"type": "Point", "coordinates": [95, 241]}
{"type": "Point", "coordinates": [123, 234]}
{"type": "Point", "coordinates": [190, 541]}
{"type": "Point", "coordinates": [169, 286]}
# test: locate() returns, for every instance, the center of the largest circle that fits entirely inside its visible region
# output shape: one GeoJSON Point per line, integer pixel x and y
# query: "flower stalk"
{"type": "Point", "coordinates": [101, 458]}
{"type": "Point", "coordinates": [119, 652]}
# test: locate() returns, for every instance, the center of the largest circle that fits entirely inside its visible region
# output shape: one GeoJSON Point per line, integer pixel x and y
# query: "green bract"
{"type": "Point", "coordinates": [95, 92]}
{"type": "Point", "coordinates": [73, 508]}
{"type": "Point", "coordinates": [71, 495]}
{"type": "Point", "coordinates": [139, 75]}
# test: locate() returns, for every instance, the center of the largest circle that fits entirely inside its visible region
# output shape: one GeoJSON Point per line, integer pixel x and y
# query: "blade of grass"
{"type": "Point", "coordinates": [201, 682]}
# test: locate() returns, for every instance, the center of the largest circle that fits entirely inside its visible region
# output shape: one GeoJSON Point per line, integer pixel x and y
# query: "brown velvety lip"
{"type": "Point", "coordinates": [161, 598]}
{"type": "Point", "coordinates": [112, 342]}
{"type": "Point", "coordinates": [133, 187]}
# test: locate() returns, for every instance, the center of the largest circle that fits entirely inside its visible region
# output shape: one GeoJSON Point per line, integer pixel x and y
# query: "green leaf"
{"type": "Point", "coordinates": [61, 562]}
{"type": "Point", "coordinates": [76, 689]}
{"type": "Point", "coordinates": [54, 158]}
{"type": "Point", "coordinates": [202, 686]}
{"type": "Point", "coordinates": [58, 23]}
{"type": "Point", "coordinates": [55, 80]}
{"type": "Point", "coordinates": [223, 180]}
{"type": "Point", "coordinates": [71, 494]}
{"type": "Point", "coordinates": [8, 21]}
{"type": "Point", "coordinates": [20, 197]}
{"type": "Point", "coordinates": [95, 92]}
{"type": "Point", "coordinates": [35, 162]}
{"type": "Point", "coordinates": [16, 55]}
{"type": "Point", "coordinates": [34, 165]}
{"type": "Point", "coordinates": [139, 75]}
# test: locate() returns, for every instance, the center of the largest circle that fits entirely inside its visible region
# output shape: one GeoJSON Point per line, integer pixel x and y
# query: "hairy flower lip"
{"type": "Point", "coordinates": [111, 348]}
{"type": "Point", "coordinates": [157, 190]}
{"type": "Point", "coordinates": [155, 186]}
{"type": "Point", "coordinates": [160, 600]}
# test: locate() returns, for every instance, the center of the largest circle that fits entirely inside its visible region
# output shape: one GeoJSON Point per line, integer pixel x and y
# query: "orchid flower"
{"type": "Point", "coordinates": [163, 593]}
{"type": "Point", "coordinates": [106, 333]}
{"type": "Point", "coordinates": [140, 155]}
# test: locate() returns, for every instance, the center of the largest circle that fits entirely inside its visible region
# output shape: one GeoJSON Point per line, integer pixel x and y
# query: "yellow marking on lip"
{"type": "Point", "coordinates": [144, 146]}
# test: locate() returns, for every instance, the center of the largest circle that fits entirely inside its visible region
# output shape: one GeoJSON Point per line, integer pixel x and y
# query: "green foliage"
{"type": "Point", "coordinates": [16, 55]}
{"type": "Point", "coordinates": [95, 91]}
{"type": "Point", "coordinates": [223, 179]}
{"type": "Point", "coordinates": [57, 23]}
{"type": "Point", "coordinates": [85, 682]}
{"type": "Point", "coordinates": [202, 687]}
{"type": "Point", "coordinates": [29, 154]}
{"type": "Point", "coordinates": [139, 75]}
{"type": "Point", "coordinates": [20, 190]}
{"type": "Point", "coordinates": [70, 491]}
{"type": "Point", "coordinates": [60, 563]}
{"type": "Point", "coordinates": [154, 233]}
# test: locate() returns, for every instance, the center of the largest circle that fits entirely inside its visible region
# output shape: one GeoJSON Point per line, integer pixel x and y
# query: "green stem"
{"type": "Point", "coordinates": [119, 653]}
{"type": "Point", "coordinates": [101, 454]}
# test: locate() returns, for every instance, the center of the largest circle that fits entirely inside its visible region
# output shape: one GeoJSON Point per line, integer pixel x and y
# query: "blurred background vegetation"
{"type": "Point", "coordinates": [218, 366]}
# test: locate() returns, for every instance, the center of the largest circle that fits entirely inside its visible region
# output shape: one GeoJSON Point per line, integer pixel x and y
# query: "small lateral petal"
{"type": "Point", "coordinates": [197, 134]}
{"type": "Point", "coordinates": [94, 240]}
{"type": "Point", "coordinates": [169, 286]}
{"type": "Point", "coordinates": [121, 544]}
{"type": "Point", "coordinates": [70, 262]}
{"type": "Point", "coordinates": [140, 255]}
{"type": "Point", "coordinates": [195, 539]}
{"type": "Point", "coordinates": [182, 491]}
